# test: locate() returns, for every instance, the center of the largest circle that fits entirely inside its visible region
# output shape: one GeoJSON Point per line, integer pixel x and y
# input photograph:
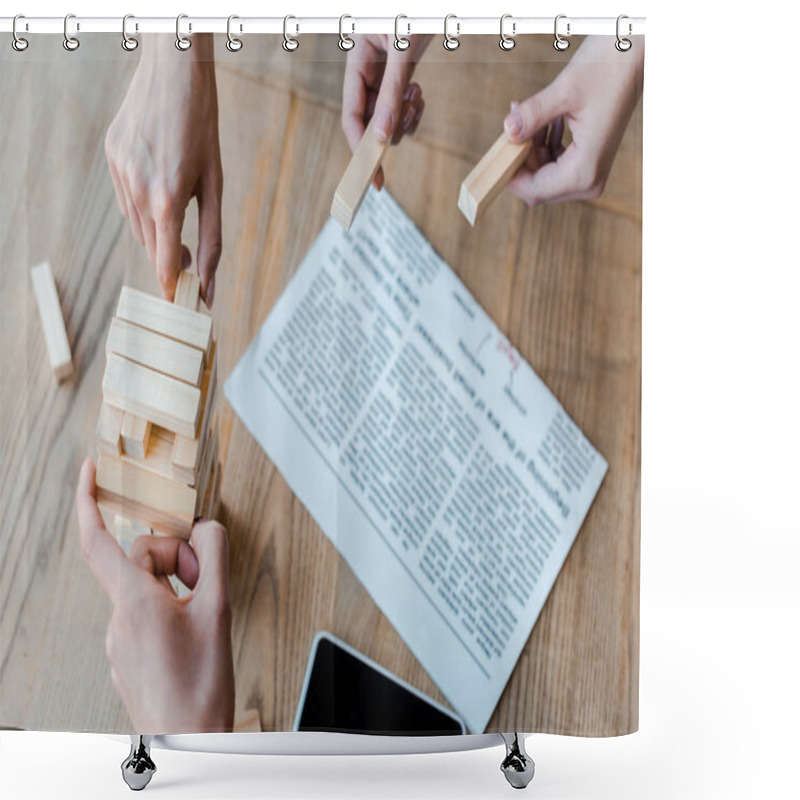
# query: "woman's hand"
{"type": "Point", "coordinates": [377, 83]}
{"type": "Point", "coordinates": [171, 659]}
{"type": "Point", "coordinates": [594, 95]}
{"type": "Point", "coordinates": [163, 149]}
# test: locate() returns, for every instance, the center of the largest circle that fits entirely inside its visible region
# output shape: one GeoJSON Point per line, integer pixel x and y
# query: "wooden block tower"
{"type": "Point", "coordinates": [158, 467]}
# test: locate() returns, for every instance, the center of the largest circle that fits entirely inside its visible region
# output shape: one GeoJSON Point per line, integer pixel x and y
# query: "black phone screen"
{"type": "Point", "coordinates": [346, 695]}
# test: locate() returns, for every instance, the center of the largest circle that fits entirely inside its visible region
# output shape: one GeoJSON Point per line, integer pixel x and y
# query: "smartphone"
{"type": "Point", "coordinates": [346, 692]}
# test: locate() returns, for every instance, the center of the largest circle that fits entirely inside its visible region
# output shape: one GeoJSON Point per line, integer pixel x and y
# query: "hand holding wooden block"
{"type": "Point", "coordinates": [490, 176]}
{"type": "Point", "coordinates": [55, 334]}
{"type": "Point", "coordinates": [358, 177]}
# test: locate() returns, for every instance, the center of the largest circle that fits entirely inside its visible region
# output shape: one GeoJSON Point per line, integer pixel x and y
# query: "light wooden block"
{"type": "Point", "coordinates": [109, 429]}
{"type": "Point", "coordinates": [168, 402]}
{"type": "Point", "coordinates": [127, 489]}
{"type": "Point", "coordinates": [135, 435]}
{"type": "Point", "coordinates": [179, 323]}
{"type": "Point", "coordinates": [187, 292]}
{"type": "Point", "coordinates": [158, 455]}
{"type": "Point", "coordinates": [490, 176]}
{"type": "Point", "coordinates": [55, 334]}
{"type": "Point", "coordinates": [157, 352]}
{"type": "Point", "coordinates": [357, 177]}
{"type": "Point", "coordinates": [188, 449]}
{"type": "Point", "coordinates": [249, 722]}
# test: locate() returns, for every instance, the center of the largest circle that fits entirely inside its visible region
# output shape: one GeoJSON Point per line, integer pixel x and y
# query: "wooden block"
{"type": "Point", "coordinates": [179, 323]}
{"type": "Point", "coordinates": [133, 492]}
{"type": "Point", "coordinates": [109, 429]}
{"type": "Point", "coordinates": [158, 456]}
{"type": "Point", "coordinates": [187, 292]}
{"type": "Point", "coordinates": [249, 722]}
{"type": "Point", "coordinates": [357, 177]}
{"type": "Point", "coordinates": [55, 334]}
{"type": "Point", "coordinates": [490, 176]}
{"type": "Point", "coordinates": [155, 351]}
{"type": "Point", "coordinates": [168, 402]}
{"type": "Point", "coordinates": [186, 456]}
{"type": "Point", "coordinates": [135, 435]}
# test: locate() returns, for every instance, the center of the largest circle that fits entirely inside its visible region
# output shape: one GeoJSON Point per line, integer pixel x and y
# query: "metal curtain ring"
{"type": "Point", "coordinates": [290, 43]}
{"type": "Point", "coordinates": [451, 42]}
{"type": "Point", "coordinates": [400, 42]}
{"type": "Point", "coordinates": [70, 42]}
{"type": "Point", "coordinates": [129, 43]}
{"type": "Point", "coordinates": [345, 42]}
{"type": "Point", "coordinates": [507, 42]}
{"type": "Point", "coordinates": [560, 43]}
{"type": "Point", "coordinates": [181, 42]}
{"type": "Point", "coordinates": [623, 45]}
{"type": "Point", "coordinates": [233, 44]}
{"type": "Point", "coordinates": [18, 43]}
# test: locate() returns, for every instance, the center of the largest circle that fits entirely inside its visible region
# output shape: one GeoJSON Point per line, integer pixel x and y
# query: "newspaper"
{"type": "Point", "coordinates": [437, 462]}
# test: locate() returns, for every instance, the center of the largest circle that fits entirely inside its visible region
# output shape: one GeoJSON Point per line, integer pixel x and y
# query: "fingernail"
{"type": "Point", "coordinates": [513, 122]}
{"type": "Point", "coordinates": [408, 117]}
{"type": "Point", "coordinates": [384, 124]}
{"type": "Point", "coordinates": [210, 291]}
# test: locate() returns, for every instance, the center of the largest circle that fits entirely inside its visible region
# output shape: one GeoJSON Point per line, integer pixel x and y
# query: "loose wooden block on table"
{"type": "Point", "coordinates": [127, 489]}
{"type": "Point", "coordinates": [358, 177]}
{"type": "Point", "coordinates": [168, 402]}
{"type": "Point", "coordinates": [178, 322]}
{"type": "Point", "coordinates": [109, 428]}
{"type": "Point", "coordinates": [490, 176]}
{"type": "Point", "coordinates": [157, 352]}
{"type": "Point", "coordinates": [55, 334]}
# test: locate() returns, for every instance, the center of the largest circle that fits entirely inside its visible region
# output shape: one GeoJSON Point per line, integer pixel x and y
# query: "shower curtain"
{"type": "Point", "coordinates": [425, 434]}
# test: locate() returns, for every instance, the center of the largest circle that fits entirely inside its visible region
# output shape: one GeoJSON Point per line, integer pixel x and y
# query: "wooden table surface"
{"type": "Point", "coordinates": [562, 282]}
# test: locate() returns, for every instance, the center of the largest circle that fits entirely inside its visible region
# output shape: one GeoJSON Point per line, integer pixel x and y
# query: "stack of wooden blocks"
{"type": "Point", "coordinates": [158, 467]}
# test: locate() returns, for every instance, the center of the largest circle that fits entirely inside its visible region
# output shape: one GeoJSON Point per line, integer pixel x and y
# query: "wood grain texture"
{"type": "Point", "coordinates": [155, 397]}
{"type": "Point", "coordinates": [562, 282]}
{"type": "Point", "coordinates": [174, 321]}
{"type": "Point", "coordinates": [156, 352]}
{"type": "Point", "coordinates": [126, 489]}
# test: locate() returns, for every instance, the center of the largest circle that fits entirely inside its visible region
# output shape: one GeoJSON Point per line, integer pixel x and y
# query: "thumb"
{"type": "Point", "coordinates": [553, 183]}
{"type": "Point", "coordinates": [389, 104]}
{"type": "Point", "coordinates": [209, 541]}
{"type": "Point", "coordinates": [209, 248]}
{"type": "Point", "coordinates": [531, 115]}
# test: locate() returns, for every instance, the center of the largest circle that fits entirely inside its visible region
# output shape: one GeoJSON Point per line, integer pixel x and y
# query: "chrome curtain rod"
{"type": "Point", "coordinates": [297, 26]}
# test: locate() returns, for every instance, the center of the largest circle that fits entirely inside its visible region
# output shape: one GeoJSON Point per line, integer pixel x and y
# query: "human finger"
{"type": "Point", "coordinates": [209, 248]}
{"type": "Point", "coordinates": [169, 225]}
{"type": "Point", "coordinates": [531, 115]}
{"type": "Point", "coordinates": [166, 555]}
{"type": "Point", "coordinates": [101, 551]}
{"type": "Point", "coordinates": [209, 540]}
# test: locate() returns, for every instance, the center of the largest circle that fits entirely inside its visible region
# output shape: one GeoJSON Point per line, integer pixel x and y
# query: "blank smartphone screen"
{"type": "Point", "coordinates": [345, 695]}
